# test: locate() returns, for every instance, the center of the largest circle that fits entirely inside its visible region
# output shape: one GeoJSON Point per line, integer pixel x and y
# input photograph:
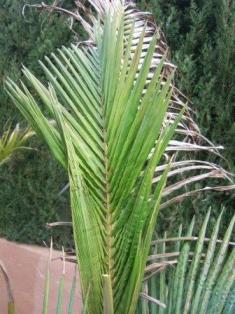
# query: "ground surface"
{"type": "Point", "coordinates": [26, 266]}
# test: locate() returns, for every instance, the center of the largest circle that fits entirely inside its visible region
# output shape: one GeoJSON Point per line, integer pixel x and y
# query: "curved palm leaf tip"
{"type": "Point", "coordinates": [116, 113]}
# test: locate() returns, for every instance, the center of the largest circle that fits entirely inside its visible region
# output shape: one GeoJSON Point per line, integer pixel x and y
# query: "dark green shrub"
{"type": "Point", "coordinates": [31, 181]}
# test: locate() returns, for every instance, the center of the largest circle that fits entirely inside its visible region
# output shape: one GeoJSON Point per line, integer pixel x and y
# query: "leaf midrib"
{"type": "Point", "coordinates": [107, 204]}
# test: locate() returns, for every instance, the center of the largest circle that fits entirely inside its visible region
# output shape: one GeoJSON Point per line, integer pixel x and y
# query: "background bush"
{"type": "Point", "coordinates": [31, 181]}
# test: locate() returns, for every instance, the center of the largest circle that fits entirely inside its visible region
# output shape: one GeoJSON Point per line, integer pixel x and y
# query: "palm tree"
{"type": "Point", "coordinates": [116, 112]}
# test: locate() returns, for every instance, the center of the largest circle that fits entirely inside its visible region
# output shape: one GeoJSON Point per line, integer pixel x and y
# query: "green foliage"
{"type": "Point", "coordinates": [80, 143]}
{"type": "Point", "coordinates": [30, 180]}
{"type": "Point", "coordinates": [200, 35]}
{"type": "Point", "coordinates": [25, 40]}
{"type": "Point", "coordinates": [29, 198]}
{"type": "Point", "coordinates": [189, 273]}
{"type": "Point", "coordinates": [202, 43]}
{"type": "Point", "coordinates": [114, 121]}
{"type": "Point", "coordinates": [190, 276]}
{"type": "Point", "coordinates": [13, 140]}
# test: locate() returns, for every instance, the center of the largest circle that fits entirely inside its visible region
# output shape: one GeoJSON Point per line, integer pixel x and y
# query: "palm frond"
{"type": "Point", "coordinates": [203, 278]}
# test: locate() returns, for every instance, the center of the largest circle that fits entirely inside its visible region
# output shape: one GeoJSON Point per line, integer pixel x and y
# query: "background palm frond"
{"type": "Point", "coordinates": [192, 274]}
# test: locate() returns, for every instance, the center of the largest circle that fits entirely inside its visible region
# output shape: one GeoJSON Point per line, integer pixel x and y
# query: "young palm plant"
{"type": "Point", "coordinates": [115, 113]}
{"type": "Point", "coordinates": [12, 140]}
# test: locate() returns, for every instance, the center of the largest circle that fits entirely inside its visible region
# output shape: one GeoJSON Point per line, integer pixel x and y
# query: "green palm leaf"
{"type": "Point", "coordinates": [203, 281]}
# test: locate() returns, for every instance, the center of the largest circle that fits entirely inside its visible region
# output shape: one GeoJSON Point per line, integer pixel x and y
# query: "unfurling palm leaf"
{"type": "Point", "coordinates": [203, 279]}
{"type": "Point", "coordinates": [112, 103]}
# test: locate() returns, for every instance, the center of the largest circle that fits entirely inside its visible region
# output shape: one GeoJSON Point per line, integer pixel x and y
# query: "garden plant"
{"type": "Point", "coordinates": [113, 119]}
